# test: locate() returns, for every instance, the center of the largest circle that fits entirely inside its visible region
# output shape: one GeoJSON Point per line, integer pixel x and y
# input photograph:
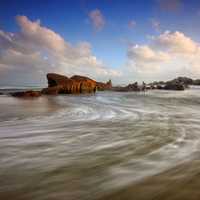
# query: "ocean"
{"type": "Point", "coordinates": [108, 145]}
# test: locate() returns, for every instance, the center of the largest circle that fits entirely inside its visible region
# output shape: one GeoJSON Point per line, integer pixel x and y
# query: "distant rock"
{"type": "Point", "coordinates": [196, 82]}
{"type": "Point", "coordinates": [134, 87]}
{"type": "Point", "coordinates": [160, 87]}
{"type": "Point", "coordinates": [26, 94]}
{"type": "Point", "coordinates": [174, 86]}
{"type": "Point", "coordinates": [183, 80]}
{"type": "Point", "coordinates": [179, 83]}
{"type": "Point", "coordinates": [104, 86]}
{"type": "Point", "coordinates": [1, 93]}
{"type": "Point", "coordinates": [59, 84]}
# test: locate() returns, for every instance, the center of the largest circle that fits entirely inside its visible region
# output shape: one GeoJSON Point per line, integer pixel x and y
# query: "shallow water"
{"type": "Point", "coordinates": [82, 147]}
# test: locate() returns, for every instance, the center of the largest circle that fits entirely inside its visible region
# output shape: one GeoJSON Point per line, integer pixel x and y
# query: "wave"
{"type": "Point", "coordinates": [106, 140]}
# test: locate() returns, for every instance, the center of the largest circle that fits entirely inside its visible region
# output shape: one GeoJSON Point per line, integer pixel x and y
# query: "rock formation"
{"type": "Point", "coordinates": [104, 86]}
{"type": "Point", "coordinates": [179, 83]}
{"type": "Point", "coordinates": [26, 94]}
{"type": "Point", "coordinates": [172, 85]}
{"type": "Point", "coordinates": [59, 84]}
{"type": "Point", "coordinates": [134, 87]}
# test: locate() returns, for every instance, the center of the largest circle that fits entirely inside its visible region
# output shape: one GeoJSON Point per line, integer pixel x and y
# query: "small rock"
{"type": "Point", "coordinates": [26, 94]}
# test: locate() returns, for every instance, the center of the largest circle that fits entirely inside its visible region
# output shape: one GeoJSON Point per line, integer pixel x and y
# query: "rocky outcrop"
{"type": "Point", "coordinates": [134, 87]}
{"type": "Point", "coordinates": [56, 79]}
{"type": "Point", "coordinates": [104, 86]}
{"type": "Point", "coordinates": [179, 83]}
{"type": "Point", "coordinates": [26, 94]}
{"type": "Point", "coordinates": [59, 84]}
{"type": "Point", "coordinates": [85, 84]}
{"type": "Point", "coordinates": [174, 86]}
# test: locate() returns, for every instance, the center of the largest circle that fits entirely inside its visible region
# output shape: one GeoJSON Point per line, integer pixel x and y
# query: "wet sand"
{"type": "Point", "coordinates": [179, 183]}
{"type": "Point", "coordinates": [127, 146]}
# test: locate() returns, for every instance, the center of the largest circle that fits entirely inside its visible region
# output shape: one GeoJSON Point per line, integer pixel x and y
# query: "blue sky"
{"type": "Point", "coordinates": [109, 43]}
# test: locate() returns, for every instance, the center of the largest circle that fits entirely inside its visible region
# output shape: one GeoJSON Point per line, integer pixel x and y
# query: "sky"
{"type": "Point", "coordinates": [122, 40]}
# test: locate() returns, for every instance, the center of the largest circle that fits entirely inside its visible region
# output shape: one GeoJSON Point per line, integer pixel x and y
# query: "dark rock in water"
{"type": "Point", "coordinates": [59, 84]}
{"type": "Point", "coordinates": [26, 94]}
{"type": "Point", "coordinates": [1, 93]}
{"type": "Point", "coordinates": [184, 80]}
{"type": "Point", "coordinates": [174, 86]}
{"type": "Point", "coordinates": [51, 90]}
{"type": "Point", "coordinates": [196, 82]}
{"type": "Point", "coordinates": [133, 87]}
{"type": "Point", "coordinates": [160, 87]}
{"type": "Point", "coordinates": [104, 86]}
{"type": "Point", "coordinates": [129, 88]}
{"type": "Point", "coordinates": [179, 83]}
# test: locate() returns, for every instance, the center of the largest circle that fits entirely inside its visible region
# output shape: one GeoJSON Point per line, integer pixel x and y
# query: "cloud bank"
{"type": "Point", "coordinates": [167, 55]}
{"type": "Point", "coordinates": [26, 56]}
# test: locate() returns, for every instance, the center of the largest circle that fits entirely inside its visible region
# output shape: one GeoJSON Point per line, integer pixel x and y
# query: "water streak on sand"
{"type": "Point", "coordinates": [74, 146]}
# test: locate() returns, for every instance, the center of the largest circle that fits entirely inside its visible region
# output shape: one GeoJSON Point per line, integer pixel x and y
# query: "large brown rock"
{"type": "Point", "coordinates": [83, 84]}
{"type": "Point", "coordinates": [59, 84]}
{"type": "Point", "coordinates": [26, 94]}
{"type": "Point", "coordinates": [56, 79]}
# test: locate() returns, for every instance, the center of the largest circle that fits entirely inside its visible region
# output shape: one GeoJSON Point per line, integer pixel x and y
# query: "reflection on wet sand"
{"type": "Point", "coordinates": [179, 183]}
{"type": "Point", "coordinates": [110, 145]}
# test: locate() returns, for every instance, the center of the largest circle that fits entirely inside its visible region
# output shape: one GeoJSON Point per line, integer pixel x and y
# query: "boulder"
{"type": "Point", "coordinates": [26, 94]}
{"type": "Point", "coordinates": [59, 84]}
{"type": "Point", "coordinates": [1, 93]}
{"type": "Point", "coordinates": [134, 87]}
{"type": "Point", "coordinates": [174, 86]}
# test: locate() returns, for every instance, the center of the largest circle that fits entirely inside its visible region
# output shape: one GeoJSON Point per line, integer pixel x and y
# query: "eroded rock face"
{"type": "Point", "coordinates": [56, 79]}
{"type": "Point", "coordinates": [59, 84]}
{"type": "Point", "coordinates": [26, 94]}
{"type": "Point", "coordinates": [83, 84]}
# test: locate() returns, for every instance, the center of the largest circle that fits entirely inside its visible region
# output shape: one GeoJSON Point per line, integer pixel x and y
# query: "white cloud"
{"type": "Point", "coordinates": [37, 50]}
{"type": "Point", "coordinates": [177, 42]}
{"type": "Point", "coordinates": [97, 19]}
{"type": "Point", "coordinates": [37, 35]}
{"type": "Point", "coordinates": [168, 55]}
{"type": "Point", "coordinates": [145, 53]}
